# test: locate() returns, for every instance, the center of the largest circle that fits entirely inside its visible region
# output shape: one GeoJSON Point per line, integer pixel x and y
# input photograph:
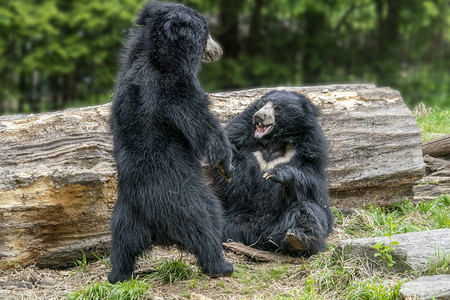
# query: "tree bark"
{"type": "Point", "coordinates": [437, 147]}
{"type": "Point", "coordinates": [58, 177]}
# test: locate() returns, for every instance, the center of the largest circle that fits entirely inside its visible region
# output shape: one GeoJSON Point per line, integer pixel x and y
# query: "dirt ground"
{"type": "Point", "coordinates": [34, 283]}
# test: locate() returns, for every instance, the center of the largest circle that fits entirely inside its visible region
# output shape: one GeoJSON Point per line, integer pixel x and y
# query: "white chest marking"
{"type": "Point", "coordinates": [266, 165]}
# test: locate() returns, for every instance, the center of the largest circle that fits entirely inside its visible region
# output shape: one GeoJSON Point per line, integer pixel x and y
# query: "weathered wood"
{"type": "Point", "coordinates": [436, 182]}
{"type": "Point", "coordinates": [438, 147]}
{"type": "Point", "coordinates": [58, 179]}
{"type": "Point", "coordinates": [260, 255]}
{"type": "Point", "coordinates": [57, 186]}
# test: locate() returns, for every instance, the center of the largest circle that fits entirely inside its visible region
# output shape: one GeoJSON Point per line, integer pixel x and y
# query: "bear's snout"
{"type": "Point", "coordinates": [213, 51]}
{"type": "Point", "coordinates": [265, 116]}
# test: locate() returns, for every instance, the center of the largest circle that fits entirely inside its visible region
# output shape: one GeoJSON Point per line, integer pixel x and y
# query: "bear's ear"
{"type": "Point", "coordinates": [150, 11]}
{"type": "Point", "coordinates": [181, 25]}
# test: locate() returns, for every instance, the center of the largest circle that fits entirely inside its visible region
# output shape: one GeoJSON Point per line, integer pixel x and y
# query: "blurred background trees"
{"type": "Point", "coordinates": [57, 53]}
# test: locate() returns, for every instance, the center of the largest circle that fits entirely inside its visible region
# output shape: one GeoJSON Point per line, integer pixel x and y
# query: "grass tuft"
{"type": "Point", "coordinates": [82, 264]}
{"type": "Point", "coordinates": [440, 264]}
{"type": "Point", "coordinates": [173, 270]}
{"type": "Point", "coordinates": [128, 290]}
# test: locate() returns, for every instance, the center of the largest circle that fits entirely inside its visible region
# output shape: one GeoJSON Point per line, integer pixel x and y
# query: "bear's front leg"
{"type": "Point", "coordinates": [302, 180]}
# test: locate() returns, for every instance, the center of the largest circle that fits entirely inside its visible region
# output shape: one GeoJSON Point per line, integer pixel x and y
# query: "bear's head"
{"type": "Point", "coordinates": [283, 114]}
{"type": "Point", "coordinates": [174, 37]}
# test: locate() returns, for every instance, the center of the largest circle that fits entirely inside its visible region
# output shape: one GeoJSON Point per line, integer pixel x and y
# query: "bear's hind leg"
{"type": "Point", "coordinates": [201, 232]}
{"type": "Point", "coordinates": [302, 229]}
{"type": "Point", "coordinates": [238, 228]}
{"type": "Point", "coordinates": [211, 260]}
{"type": "Point", "coordinates": [130, 237]}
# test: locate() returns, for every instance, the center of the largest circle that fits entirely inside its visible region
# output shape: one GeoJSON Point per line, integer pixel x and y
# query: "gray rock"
{"type": "Point", "coordinates": [415, 250]}
{"type": "Point", "coordinates": [427, 287]}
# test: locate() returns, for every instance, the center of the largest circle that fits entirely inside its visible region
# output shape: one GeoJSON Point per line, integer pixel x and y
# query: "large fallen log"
{"type": "Point", "coordinates": [58, 180]}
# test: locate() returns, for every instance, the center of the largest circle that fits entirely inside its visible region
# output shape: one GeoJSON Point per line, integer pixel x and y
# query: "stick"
{"type": "Point", "coordinates": [261, 255]}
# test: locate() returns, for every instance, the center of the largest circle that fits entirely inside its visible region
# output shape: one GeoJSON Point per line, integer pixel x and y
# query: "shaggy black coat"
{"type": "Point", "coordinates": [162, 128]}
{"type": "Point", "coordinates": [280, 182]}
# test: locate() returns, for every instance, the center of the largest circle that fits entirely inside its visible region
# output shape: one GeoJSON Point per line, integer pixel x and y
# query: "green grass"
{"type": "Point", "coordinates": [432, 122]}
{"type": "Point", "coordinates": [82, 264]}
{"type": "Point", "coordinates": [399, 218]}
{"type": "Point", "coordinates": [129, 290]}
{"type": "Point", "coordinates": [173, 270]}
{"type": "Point", "coordinates": [332, 274]}
{"type": "Point", "coordinates": [440, 264]}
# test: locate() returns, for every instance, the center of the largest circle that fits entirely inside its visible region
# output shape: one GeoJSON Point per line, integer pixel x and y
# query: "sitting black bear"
{"type": "Point", "coordinates": [278, 198]}
{"type": "Point", "coordinates": [162, 128]}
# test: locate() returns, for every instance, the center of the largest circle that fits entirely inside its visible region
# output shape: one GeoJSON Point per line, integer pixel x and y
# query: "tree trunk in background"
{"type": "Point", "coordinates": [23, 95]}
{"type": "Point", "coordinates": [388, 21]}
{"type": "Point", "coordinates": [53, 89]}
{"type": "Point", "coordinates": [228, 32]}
{"type": "Point", "coordinates": [34, 96]}
{"type": "Point", "coordinates": [254, 38]}
{"type": "Point", "coordinates": [315, 24]}
{"type": "Point", "coordinates": [65, 90]}
{"type": "Point", "coordinates": [58, 178]}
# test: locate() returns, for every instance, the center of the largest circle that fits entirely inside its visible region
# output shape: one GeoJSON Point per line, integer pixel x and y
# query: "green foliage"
{"type": "Point", "coordinates": [128, 290]}
{"type": "Point", "coordinates": [57, 53]}
{"type": "Point", "coordinates": [384, 253]}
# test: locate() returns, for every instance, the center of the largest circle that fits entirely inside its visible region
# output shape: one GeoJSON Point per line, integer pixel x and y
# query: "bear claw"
{"type": "Point", "coordinates": [268, 175]}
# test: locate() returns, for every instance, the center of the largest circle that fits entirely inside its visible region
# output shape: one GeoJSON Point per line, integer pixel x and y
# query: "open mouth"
{"type": "Point", "coordinates": [262, 130]}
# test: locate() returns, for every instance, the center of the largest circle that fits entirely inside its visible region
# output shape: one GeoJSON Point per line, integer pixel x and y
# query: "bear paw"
{"type": "Point", "coordinates": [226, 170]}
{"type": "Point", "coordinates": [274, 175]}
{"type": "Point", "coordinates": [223, 269]}
{"type": "Point", "coordinates": [297, 240]}
{"type": "Point", "coordinates": [113, 278]}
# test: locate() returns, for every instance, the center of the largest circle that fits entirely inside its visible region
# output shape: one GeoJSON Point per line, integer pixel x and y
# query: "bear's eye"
{"type": "Point", "coordinates": [277, 108]}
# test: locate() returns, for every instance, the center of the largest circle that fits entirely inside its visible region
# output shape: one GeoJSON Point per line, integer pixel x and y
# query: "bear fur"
{"type": "Point", "coordinates": [162, 129]}
{"type": "Point", "coordinates": [278, 198]}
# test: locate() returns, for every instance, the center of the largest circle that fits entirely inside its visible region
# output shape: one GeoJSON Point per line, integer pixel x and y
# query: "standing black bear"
{"type": "Point", "coordinates": [278, 197]}
{"type": "Point", "coordinates": [162, 128]}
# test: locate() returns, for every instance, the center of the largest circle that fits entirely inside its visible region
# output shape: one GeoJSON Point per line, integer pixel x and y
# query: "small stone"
{"type": "Point", "coordinates": [427, 287]}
